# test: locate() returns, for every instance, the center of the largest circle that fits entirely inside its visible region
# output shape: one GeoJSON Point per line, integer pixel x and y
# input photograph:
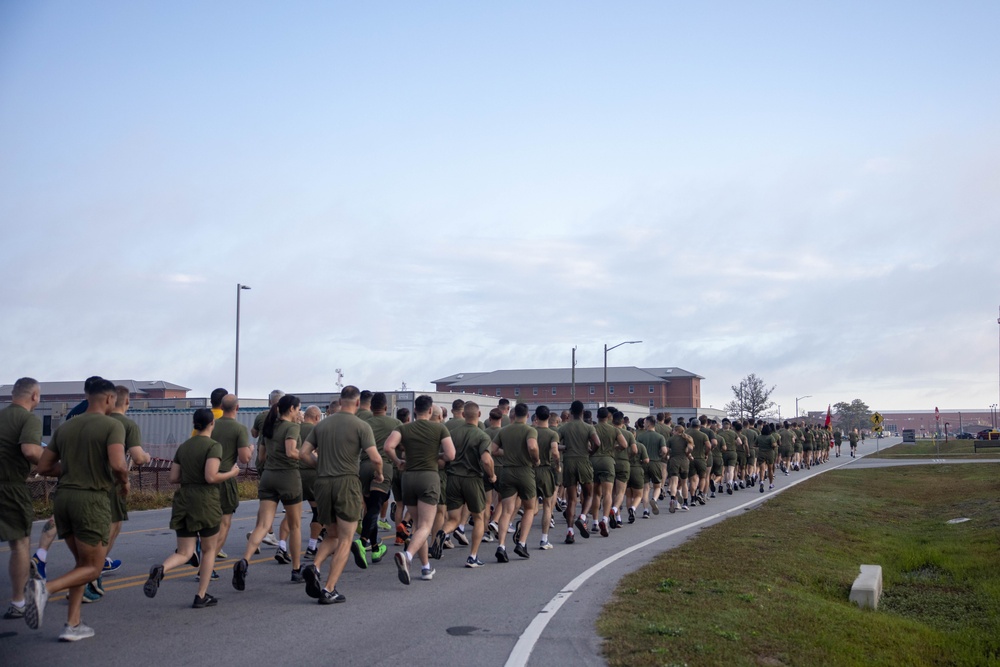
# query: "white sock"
{"type": "Point", "coordinates": [605, 519]}
{"type": "Point", "coordinates": [282, 545]}
{"type": "Point", "coordinates": [570, 532]}
{"type": "Point", "coordinates": [461, 529]}
{"type": "Point", "coordinates": [545, 537]}
{"type": "Point", "coordinates": [19, 605]}
{"type": "Point", "coordinates": [43, 554]}
{"type": "Point", "coordinates": [409, 557]}
{"type": "Point", "coordinates": [312, 544]}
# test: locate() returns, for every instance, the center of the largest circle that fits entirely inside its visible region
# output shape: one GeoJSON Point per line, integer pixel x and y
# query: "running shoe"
{"type": "Point", "coordinates": [645, 514]}
{"type": "Point", "coordinates": [310, 554]}
{"type": "Point", "coordinates": [98, 584]}
{"type": "Point", "coordinates": [673, 505]}
{"type": "Point", "coordinates": [427, 573]}
{"type": "Point", "coordinates": [326, 597]}
{"type": "Point", "coordinates": [39, 566]}
{"type": "Point", "coordinates": [153, 583]}
{"type": "Point", "coordinates": [402, 568]}
{"type": "Point", "coordinates": [544, 545]}
{"type": "Point", "coordinates": [603, 526]}
{"type": "Point", "coordinates": [313, 587]}
{"type": "Point", "coordinates": [437, 545]}
{"type": "Point", "coordinates": [447, 544]}
{"type": "Point", "coordinates": [384, 525]}
{"type": "Point", "coordinates": [282, 556]}
{"type": "Point", "coordinates": [712, 495]}
{"type": "Point", "coordinates": [711, 486]}
{"type": "Point", "coordinates": [111, 564]}
{"type": "Point", "coordinates": [473, 561]}
{"type": "Point", "coordinates": [762, 487]}
{"type": "Point", "coordinates": [631, 515]}
{"type": "Point", "coordinates": [502, 556]}
{"type": "Point", "coordinates": [684, 507]}
{"type": "Point", "coordinates": [392, 509]}
{"type": "Point", "coordinates": [13, 612]}
{"type": "Point", "coordinates": [195, 559]}
{"type": "Point", "coordinates": [378, 552]}
{"type": "Point", "coordinates": [729, 488]}
{"type": "Point", "coordinates": [74, 633]}
{"type": "Point", "coordinates": [552, 522]}
{"type": "Point", "coordinates": [240, 574]}
{"type": "Point", "coordinates": [360, 557]}
{"type": "Point", "coordinates": [581, 525]}
{"type": "Point", "coordinates": [297, 577]}
{"type": "Point", "coordinates": [656, 508]}
{"type": "Point", "coordinates": [487, 537]}
{"type": "Point", "coordinates": [770, 487]}
{"type": "Point", "coordinates": [90, 595]}
{"type": "Point", "coordinates": [257, 550]}
{"type": "Point", "coordinates": [222, 555]}
{"type": "Point", "coordinates": [270, 539]}
{"type": "Point", "coordinates": [494, 529]}
{"type": "Point", "coordinates": [460, 537]}
{"type": "Point", "coordinates": [202, 602]}
{"type": "Point", "coordinates": [569, 538]}
{"type": "Point", "coordinates": [521, 550]}
{"type": "Point", "coordinates": [516, 531]}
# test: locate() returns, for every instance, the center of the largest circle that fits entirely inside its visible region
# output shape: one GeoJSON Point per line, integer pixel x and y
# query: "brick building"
{"type": "Point", "coordinates": [654, 388]}
{"type": "Point", "coordinates": [72, 392]}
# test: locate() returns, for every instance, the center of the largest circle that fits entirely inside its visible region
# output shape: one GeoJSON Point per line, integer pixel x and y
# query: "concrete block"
{"type": "Point", "coordinates": [867, 588]}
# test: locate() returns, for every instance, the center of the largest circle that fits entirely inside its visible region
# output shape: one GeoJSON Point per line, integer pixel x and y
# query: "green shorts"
{"type": "Point", "coordinates": [604, 469]}
{"type": "Point", "coordinates": [308, 477]}
{"type": "Point", "coordinates": [654, 473]}
{"type": "Point", "coordinates": [367, 474]}
{"type": "Point", "coordinates": [467, 491]}
{"type": "Point", "coordinates": [678, 466]}
{"type": "Point", "coordinates": [623, 469]}
{"type": "Point", "coordinates": [765, 456]}
{"type": "Point", "coordinates": [518, 480]}
{"type": "Point", "coordinates": [196, 510]}
{"type": "Point", "coordinates": [717, 464]}
{"type": "Point", "coordinates": [808, 447]}
{"type": "Point", "coordinates": [784, 452]}
{"type": "Point", "coordinates": [545, 481]}
{"type": "Point", "coordinates": [422, 486]}
{"type": "Point", "coordinates": [729, 459]}
{"type": "Point", "coordinates": [741, 458]}
{"type": "Point", "coordinates": [636, 476]}
{"type": "Point", "coordinates": [752, 456]}
{"type": "Point", "coordinates": [577, 470]}
{"type": "Point", "coordinates": [281, 486]}
{"type": "Point", "coordinates": [85, 515]}
{"type": "Point", "coordinates": [338, 498]}
{"type": "Point", "coordinates": [16, 511]}
{"type": "Point", "coordinates": [229, 496]}
{"type": "Point", "coordinates": [119, 506]}
{"type": "Point", "coordinates": [797, 448]}
{"type": "Point", "coordinates": [443, 493]}
{"type": "Point", "coordinates": [698, 467]}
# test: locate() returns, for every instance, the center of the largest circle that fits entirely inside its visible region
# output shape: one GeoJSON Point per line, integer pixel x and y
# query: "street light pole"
{"type": "Point", "coordinates": [606, 350]}
{"type": "Point", "coordinates": [797, 404]}
{"type": "Point", "coordinates": [572, 375]}
{"type": "Point", "coordinates": [236, 381]}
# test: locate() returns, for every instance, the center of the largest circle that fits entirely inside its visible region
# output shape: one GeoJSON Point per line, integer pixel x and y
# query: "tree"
{"type": "Point", "coordinates": [751, 398]}
{"type": "Point", "coordinates": [853, 415]}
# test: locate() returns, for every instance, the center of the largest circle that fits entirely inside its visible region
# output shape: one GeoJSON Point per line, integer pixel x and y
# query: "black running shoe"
{"type": "Point", "coordinates": [631, 515]}
{"type": "Point", "coordinates": [502, 556]}
{"type": "Point", "coordinates": [202, 602]}
{"type": "Point", "coordinates": [326, 597]}
{"type": "Point", "coordinates": [569, 538]}
{"type": "Point", "coordinates": [521, 550]}
{"type": "Point", "coordinates": [437, 546]}
{"type": "Point", "coordinates": [283, 557]}
{"type": "Point", "coordinates": [311, 574]}
{"type": "Point", "coordinates": [240, 574]}
{"type": "Point", "coordinates": [581, 525]}
{"type": "Point", "coordinates": [153, 583]}
{"type": "Point", "coordinates": [297, 576]}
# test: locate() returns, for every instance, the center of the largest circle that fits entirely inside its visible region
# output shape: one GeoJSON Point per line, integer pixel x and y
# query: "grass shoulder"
{"type": "Point", "coordinates": [770, 587]}
{"type": "Point", "coordinates": [145, 499]}
{"type": "Point", "coordinates": [932, 449]}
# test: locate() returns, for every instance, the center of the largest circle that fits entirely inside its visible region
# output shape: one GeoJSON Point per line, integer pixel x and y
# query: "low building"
{"type": "Point", "coordinates": [72, 391]}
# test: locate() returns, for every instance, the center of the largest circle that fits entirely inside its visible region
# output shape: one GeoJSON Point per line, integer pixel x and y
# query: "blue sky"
{"type": "Point", "coordinates": [808, 191]}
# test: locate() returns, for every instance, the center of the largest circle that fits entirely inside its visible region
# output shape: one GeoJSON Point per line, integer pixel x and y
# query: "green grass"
{"type": "Point", "coordinates": [771, 586]}
{"type": "Point", "coordinates": [930, 448]}
{"type": "Point", "coordinates": [143, 499]}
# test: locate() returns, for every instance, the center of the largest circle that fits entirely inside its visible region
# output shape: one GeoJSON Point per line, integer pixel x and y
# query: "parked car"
{"type": "Point", "coordinates": [988, 434]}
{"type": "Point", "coordinates": [965, 436]}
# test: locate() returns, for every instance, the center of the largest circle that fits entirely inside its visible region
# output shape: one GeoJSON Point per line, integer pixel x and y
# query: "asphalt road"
{"type": "Point", "coordinates": [462, 616]}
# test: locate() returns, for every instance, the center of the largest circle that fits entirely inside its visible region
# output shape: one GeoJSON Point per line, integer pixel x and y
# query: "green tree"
{"type": "Point", "coordinates": [751, 398]}
{"type": "Point", "coordinates": [853, 415]}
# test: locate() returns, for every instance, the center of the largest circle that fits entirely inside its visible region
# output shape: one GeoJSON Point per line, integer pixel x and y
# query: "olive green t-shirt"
{"type": "Point", "coordinates": [546, 436]}
{"type": "Point", "coordinates": [623, 454]}
{"type": "Point", "coordinates": [677, 444]}
{"type": "Point", "coordinates": [364, 414]}
{"type": "Point", "coordinates": [233, 436]}
{"type": "Point", "coordinates": [133, 437]}
{"type": "Point", "coordinates": [664, 430]}
{"type": "Point", "coordinates": [454, 423]}
{"type": "Point", "coordinates": [422, 443]}
{"type": "Point", "coordinates": [305, 428]}
{"type": "Point", "coordinates": [470, 443]}
{"type": "Point", "coordinates": [653, 442]}
{"type": "Point", "coordinates": [277, 458]}
{"type": "Point", "coordinates": [17, 426]}
{"type": "Point", "coordinates": [339, 440]}
{"type": "Point", "coordinates": [382, 426]}
{"type": "Point", "coordinates": [513, 439]}
{"type": "Point", "coordinates": [258, 425]}
{"type": "Point", "coordinates": [191, 457]}
{"type": "Point", "coordinates": [81, 445]}
{"type": "Point", "coordinates": [728, 437]}
{"type": "Point", "coordinates": [636, 459]}
{"type": "Point", "coordinates": [575, 437]}
{"type": "Point", "coordinates": [608, 435]}
{"type": "Point", "coordinates": [766, 442]}
{"type": "Point", "coordinates": [750, 435]}
{"type": "Point", "coordinates": [700, 442]}
{"type": "Point", "coordinates": [853, 438]}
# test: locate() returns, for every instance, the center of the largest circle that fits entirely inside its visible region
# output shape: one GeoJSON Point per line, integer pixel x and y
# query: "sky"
{"type": "Point", "coordinates": [805, 191]}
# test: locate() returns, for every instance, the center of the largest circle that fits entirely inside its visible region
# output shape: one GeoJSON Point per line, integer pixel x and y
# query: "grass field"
{"type": "Point", "coordinates": [771, 586]}
{"type": "Point", "coordinates": [149, 500]}
{"type": "Point", "coordinates": [930, 449]}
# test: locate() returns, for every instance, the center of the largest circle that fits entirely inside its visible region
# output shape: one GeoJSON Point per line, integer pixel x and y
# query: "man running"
{"type": "Point", "coordinates": [235, 442]}
{"type": "Point", "coordinates": [376, 492]}
{"type": "Point", "coordinates": [517, 443]}
{"type": "Point", "coordinates": [578, 440]}
{"type": "Point", "coordinates": [545, 475]}
{"type": "Point", "coordinates": [138, 456]}
{"type": "Point", "coordinates": [603, 460]}
{"type": "Point", "coordinates": [655, 445]}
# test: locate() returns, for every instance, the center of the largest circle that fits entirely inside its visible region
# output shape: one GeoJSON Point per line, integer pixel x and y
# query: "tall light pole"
{"type": "Point", "coordinates": [606, 350]}
{"type": "Point", "coordinates": [572, 375]}
{"type": "Point", "coordinates": [236, 381]}
{"type": "Point", "coordinates": [797, 404]}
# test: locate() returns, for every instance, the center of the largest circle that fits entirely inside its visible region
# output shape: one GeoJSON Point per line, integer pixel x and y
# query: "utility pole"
{"type": "Point", "coordinates": [572, 375]}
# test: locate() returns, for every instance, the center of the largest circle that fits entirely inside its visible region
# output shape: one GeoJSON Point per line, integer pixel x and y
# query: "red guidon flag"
{"type": "Point", "coordinates": [829, 415]}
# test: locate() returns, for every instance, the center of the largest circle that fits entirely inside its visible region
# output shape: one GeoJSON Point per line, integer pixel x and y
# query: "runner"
{"type": "Point", "coordinates": [425, 445]}
{"type": "Point", "coordinates": [334, 446]}
{"type": "Point", "coordinates": [376, 492]}
{"type": "Point", "coordinates": [786, 442]}
{"type": "Point", "coordinates": [578, 440]}
{"type": "Point", "coordinates": [545, 473]}
{"type": "Point", "coordinates": [852, 439]}
{"type": "Point", "coordinates": [638, 487]}
{"type": "Point", "coordinates": [699, 467]}
{"type": "Point", "coordinates": [680, 448]}
{"type": "Point", "coordinates": [655, 444]}
{"type": "Point", "coordinates": [728, 444]}
{"type": "Point", "coordinates": [623, 468]}
{"type": "Point", "coordinates": [256, 433]}
{"type": "Point", "coordinates": [87, 453]}
{"type": "Point", "coordinates": [307, 472]}
{"type": "Point", "coordinates": [20, 448]}
{"type": "Point", "coordinates": [197, 507]}
{"type": "Point", "coordinates": [365, 411]}
{"type": "Point", "coordinates": [518, 444]}
{"type": "Point", "coordinates": [472, 463]}
{"type": "Point", "coordinates": [235, 442]}
{"type": "Point", "coordinates": [280, 483]}
{"type": "Point", "coordinates": [504, 406]}
{"type": "Point", "coordinates": [604, 470]}
{"type": "Point", "coordinates": [766, 446]}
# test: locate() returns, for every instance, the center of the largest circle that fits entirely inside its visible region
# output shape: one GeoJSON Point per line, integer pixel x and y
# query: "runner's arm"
{"type": "Point", "coordinates": [376, 460]}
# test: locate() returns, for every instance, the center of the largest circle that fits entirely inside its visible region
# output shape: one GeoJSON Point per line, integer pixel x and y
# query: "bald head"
{"type": "Point", "coordinates": [229, 405]}
{"type": "Point", "coordinates": [312, 415]}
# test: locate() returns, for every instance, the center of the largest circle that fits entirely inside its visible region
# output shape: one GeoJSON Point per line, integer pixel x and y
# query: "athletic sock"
{"type": "Point", "coordinates": [461, 529]}
{"type": "Point", "coordinates": [570, 532]}
{"type": "Point", "coordinates": [312, 544]}
{"type": "Point", "coordinates": [283, 545]}
{"type": "Point", "coordinates": [19, 605]}
{"type": "Point", "coordinates": [545, 537]}
{"type": "Point", "coordinates": [409, 558]}
{"type": "Point", "coordinates": [43, 554]}
{"type": "Point", "coordinates": [605, 519]}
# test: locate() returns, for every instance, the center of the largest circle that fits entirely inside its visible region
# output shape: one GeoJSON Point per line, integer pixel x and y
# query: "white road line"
{"type": "Point", "coordinates": [526, 642]}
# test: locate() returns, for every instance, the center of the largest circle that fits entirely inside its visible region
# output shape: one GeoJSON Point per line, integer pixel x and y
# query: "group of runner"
{"type": "Point", "coordinates": [461, 481]}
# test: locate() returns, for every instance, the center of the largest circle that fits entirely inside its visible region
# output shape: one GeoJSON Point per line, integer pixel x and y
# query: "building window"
{"type": "Point", "coordinates": [534, 391]}
{"type": "Point", "coordinates": [498, 391]}
{"type": "Point", "coordinates": [651, 403]}
{"type": "Point", "coordinates": [651, 390]}
{"type": "Point", "coordinates": [631, 389]}
{"type": "Point", "coordinates": [592, 390]}
{"type": "Point", "coordinates": [517, 391]}
{"type": "Point", "coordinates": [611, 389]}
{"type": "Point", "coordinates": [480, 391]}
{"type": "Point", "coordinates": [553, 391]}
